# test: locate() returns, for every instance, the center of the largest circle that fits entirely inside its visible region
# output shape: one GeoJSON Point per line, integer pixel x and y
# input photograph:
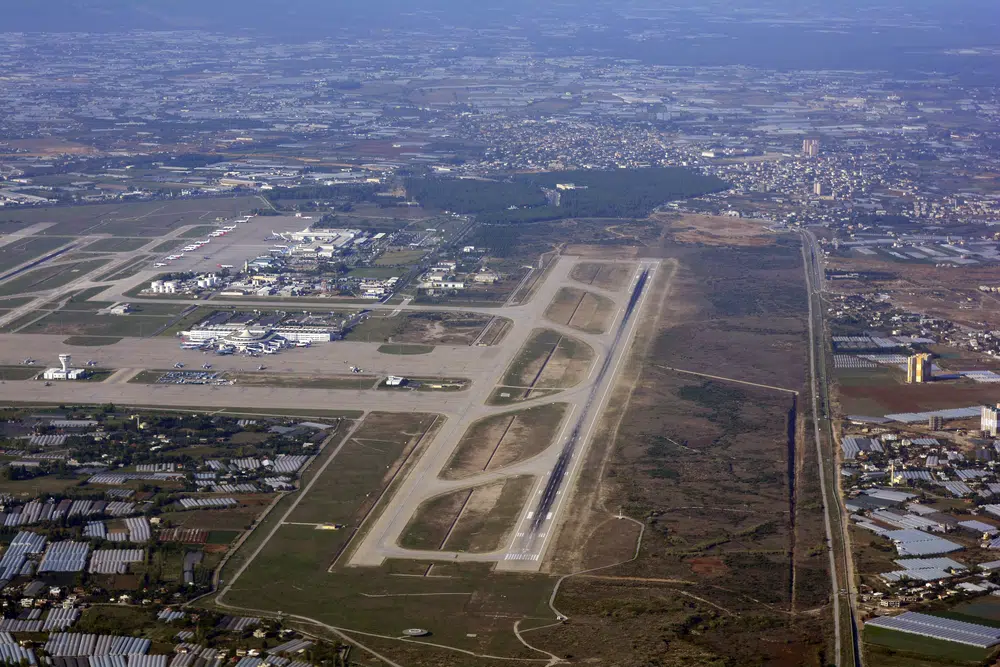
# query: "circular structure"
{"type": "Point", "coordinates": [416, 632]}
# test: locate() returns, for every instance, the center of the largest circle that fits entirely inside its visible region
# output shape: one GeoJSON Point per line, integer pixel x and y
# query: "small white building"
{"type": "Point", "coordinates": [395, 381]}
{"type": "Point", "coordinates": [121, 309]}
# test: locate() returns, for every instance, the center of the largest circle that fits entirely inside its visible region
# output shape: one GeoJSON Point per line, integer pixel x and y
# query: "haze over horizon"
{"type": "Point", "coordinates": [877, 34]}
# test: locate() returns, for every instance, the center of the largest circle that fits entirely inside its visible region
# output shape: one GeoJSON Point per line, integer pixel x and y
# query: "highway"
{"type": "Point", "coordinates": [841, 564]}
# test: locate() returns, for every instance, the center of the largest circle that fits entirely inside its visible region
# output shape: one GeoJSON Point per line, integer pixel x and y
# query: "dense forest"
{"type": "Point", "coordinates": [473, 196]}
{"type": "Point", "coordinates": [624, 193]}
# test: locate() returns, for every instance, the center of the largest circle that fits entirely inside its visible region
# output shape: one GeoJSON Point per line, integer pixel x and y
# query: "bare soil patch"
{"type": "Point", "coordinates": [888, 399]}
{"type": "Point", "coordinates": [708, 566]}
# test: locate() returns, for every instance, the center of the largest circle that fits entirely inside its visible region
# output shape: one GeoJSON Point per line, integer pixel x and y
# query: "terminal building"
{"type": "Point", "coordinates": [242, 336]}
{"type": "Point", "coordinates": [337, 238]}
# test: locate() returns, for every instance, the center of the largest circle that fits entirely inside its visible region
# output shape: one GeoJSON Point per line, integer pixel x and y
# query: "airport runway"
{"type": "Point", "coordinates": [587, 402]}
{"type": "Point", "coordinates": [555, 469]}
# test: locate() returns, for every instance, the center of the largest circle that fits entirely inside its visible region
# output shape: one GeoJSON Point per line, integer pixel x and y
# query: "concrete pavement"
{"type": "Point", "coordinates": [484, 367]}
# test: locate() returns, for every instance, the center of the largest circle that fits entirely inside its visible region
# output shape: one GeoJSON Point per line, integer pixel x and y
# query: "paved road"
{"type": "Point", "coordinates": [587, 402]}
{"type": "Point", "coordinates": [542, 513]}
{"type": "Point", "coordinates": [483, 366]}
{"type": "Point", "coordinates": [838, 550]}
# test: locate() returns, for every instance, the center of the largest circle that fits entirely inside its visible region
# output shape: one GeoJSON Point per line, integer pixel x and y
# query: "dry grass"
{"type": "Point", "coordinates": [476, 520]}
{"type": "Point", "coordinates": [579, 309]}
{"type": "Point", "coordinates": [714, 230]}
{"type": "Point", "coordinates": [501, 440]}
{"type": "Point", "coordinates": [609, 276]}
{"type": "Point", "coordinates": [549, 361]}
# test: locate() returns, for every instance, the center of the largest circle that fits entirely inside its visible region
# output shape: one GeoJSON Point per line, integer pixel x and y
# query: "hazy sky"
{"type": "Point", "coordinates": [38, 15]}
{"type": "Point", "coordinates": [897, 35]}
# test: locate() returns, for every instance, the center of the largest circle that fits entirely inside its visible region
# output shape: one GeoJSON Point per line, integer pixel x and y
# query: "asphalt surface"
{"type": "Point", "coordinates": [834, 513]}
{"type": "Point", "coordinates": [555, 469]}
{"type": "Point", "coordinates": [482, 366]}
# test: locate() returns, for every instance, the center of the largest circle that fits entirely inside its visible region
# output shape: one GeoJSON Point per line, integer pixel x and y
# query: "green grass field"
{"type": "Point", "coordinates": [394, 348]}
{"type": "Point", "coordinates": [374, 448]}
{"type": "Point", "coordinates": [27, 249]}
{"type": "Point", "coordinates": [400, 257]}
{"type": "Point", "coordinates": [91, 341]}
{"type": "Point", "coordinates": [116, 244]}
{"type": "Point", "coordinates": [459, 603]}
{"type": "Point", "coordinates": [168, 246]}
{"type": "Point", "coordinates": [18, 372]}
{"type": "Point", "coordinates": [49, 277]}
{"type": "Point", "coordinates": [198, 231]}
{"type": "Point", "coordinates": [503, 439]}
{"type": "Point", "coordinates": [89, 323]}
{"type": "Point", "coordinates": [129, 269]}
{"type": "Point", "coordinates": [376, 272]}
{"type": "Point", "coordinates": [147, 218]}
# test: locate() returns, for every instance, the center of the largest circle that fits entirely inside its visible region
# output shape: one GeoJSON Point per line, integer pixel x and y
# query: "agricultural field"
{"type": "Point", "coordinates": [500, 440]}
{"type": "Point", "coordinates": [891, 648]}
